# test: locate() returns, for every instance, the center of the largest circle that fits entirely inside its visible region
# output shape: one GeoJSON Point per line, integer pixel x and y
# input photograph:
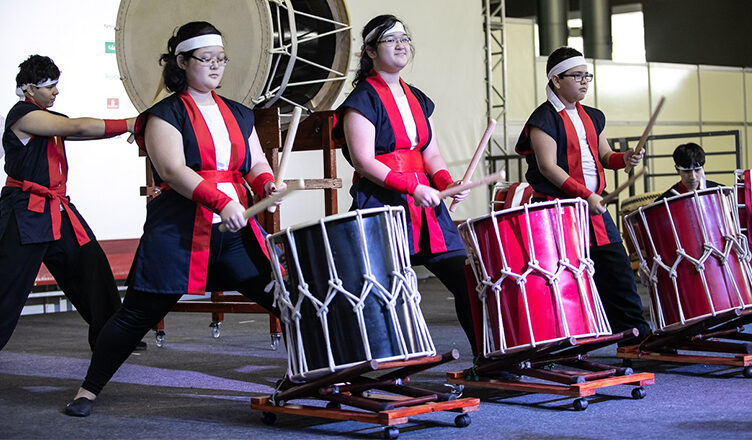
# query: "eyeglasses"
{"type": "Point", "coordinates": [578, 77]}
{"type": "Point", "coordinates": [220, 61]}
{"type": "Point", "coordinates": [391, 41]}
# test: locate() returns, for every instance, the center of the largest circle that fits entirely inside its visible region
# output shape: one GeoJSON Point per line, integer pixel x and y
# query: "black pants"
{"type": "Point", "coordinates": [82, 272]}
{"type": "Point", "coordinates": [235, 263]}
{"type": "Point", "coordinates": [449, 268]}
{"type": "Point", "coordinates": [618, 291]}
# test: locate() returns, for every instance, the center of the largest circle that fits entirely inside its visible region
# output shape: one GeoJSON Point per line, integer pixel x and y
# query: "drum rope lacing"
{"type": "Point", "coordinates": [403, 286]}
{"type": "Point", "coordinates": [595, 313]}
{"type": "Point", "coordinates": [732, 240]}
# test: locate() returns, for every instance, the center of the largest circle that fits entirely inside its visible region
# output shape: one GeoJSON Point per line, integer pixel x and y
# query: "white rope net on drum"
{"type": "Point", "coordinates": [413, 341]}
{"type": "Point", "coordinates": [726, 216]}
{"type": "Point", "coordinates": [581, 270]}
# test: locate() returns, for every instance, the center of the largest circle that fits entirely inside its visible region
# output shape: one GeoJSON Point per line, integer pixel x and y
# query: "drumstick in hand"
{"type": "Point", "coordinates": [158, 96]}
{"type": "Point", "coordinates": [646, 132]}
{"type": "Point", "coordinates": [476, 158]}
{"type": "Point", "coordinates": [449, 192]}
{"type": "Point", "coordinates": [286, 149]}
{"type": "Point", "coordinates": [623, 186]}
{"type": "Point", "coordinates": [268, 201]}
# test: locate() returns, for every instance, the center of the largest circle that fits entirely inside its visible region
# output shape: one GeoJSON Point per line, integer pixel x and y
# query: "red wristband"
{"type": "Point", "coordinates": [575, 189]}
{"type": "Point", "coordinates": [402, 183]}
{"type": "Point", "coordinates": [207, 194]}
{"type": "Point", "coordinates": [114, 127]}
{"type": "Point", "coordinates": [259, 183]}
{"type": "Point", "coordinates": [442, 179]}
{"type": "Point", "coordinates": [616, 161]}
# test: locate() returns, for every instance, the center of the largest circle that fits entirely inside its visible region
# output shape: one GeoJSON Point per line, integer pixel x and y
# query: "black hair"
{"type": "Point", "coordinates": [559, 55]}
{"type": "Point", "coordinates": [381, 24]}
{"type": "Point", "coordinates": [689, 155]}
{"type": "Point", "coordinates": [36, 69]}
{"type": "Point", "coordinates": [174, 77]}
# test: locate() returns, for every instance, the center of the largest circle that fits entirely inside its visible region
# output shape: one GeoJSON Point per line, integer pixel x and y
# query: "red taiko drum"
{"type": "Point", "coordinates": [693, 256]}
{"type": "Point", "coordinates": [533, 276]}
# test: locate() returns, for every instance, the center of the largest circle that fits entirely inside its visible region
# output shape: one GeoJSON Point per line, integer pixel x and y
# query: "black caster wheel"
{"type": "Point", "coordinates": [580, 404]}
{"type": "Point", "coordinates": [639, 393]}
{"type": "Point", "coordinates": [268, 418]}
{"type": "Point", "coordinates": [390, 433]}
{"type": "Point", "coordinates": [159, 337]}
{"type": "Point", "coordinates": [215, 329]}
{"type": "Point", "coordinates": [747, 372]}
{"type": "Point", "coordinates": [333, 405]}
{"type": "Point", "coordinates": [462, 420]}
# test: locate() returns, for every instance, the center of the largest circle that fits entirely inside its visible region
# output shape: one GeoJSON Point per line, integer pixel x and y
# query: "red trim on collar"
{"type": "Point", "coordinates": [402, 141]}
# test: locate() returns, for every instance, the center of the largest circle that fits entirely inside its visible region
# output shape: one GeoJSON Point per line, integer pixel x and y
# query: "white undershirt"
{"type": "Point", "coordinates": [408, 120]}
{"type": "Point", "coordinates": [222, 148]}
{"type": "Point", "coordinates": [589, 169]}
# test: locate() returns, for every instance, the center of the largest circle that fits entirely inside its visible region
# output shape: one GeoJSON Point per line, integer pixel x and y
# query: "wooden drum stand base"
{"type": "Point", "coordinates": [714, 335]}
{"type": "Point", "coordinates": [366, 395]}
{"type": "Point", "coordinates": [580, 378]}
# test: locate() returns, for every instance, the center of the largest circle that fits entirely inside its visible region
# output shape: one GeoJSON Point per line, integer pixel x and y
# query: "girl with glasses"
{"type": "Point", "coordinates": [202, 148]}
{"type": "Point", "coordinates": [390, 139]}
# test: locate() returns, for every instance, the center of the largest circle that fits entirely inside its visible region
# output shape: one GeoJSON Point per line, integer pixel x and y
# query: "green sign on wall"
{"type": "Point", "coordinates": [109, 47]}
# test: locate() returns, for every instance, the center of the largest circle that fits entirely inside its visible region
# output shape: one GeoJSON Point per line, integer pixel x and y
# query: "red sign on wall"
{"type": "Point", "coordinates": [113, 103]}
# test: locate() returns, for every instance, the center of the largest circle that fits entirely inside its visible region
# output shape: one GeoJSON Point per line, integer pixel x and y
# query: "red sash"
{"type": "Point", "coordinates": [56, 192]}
{"type": "Point", "coordinates": [574, 159]}
{"type": "Point", "coordinates": [402, 141]}
{"type": "Point", "coordinates": [202, 224]}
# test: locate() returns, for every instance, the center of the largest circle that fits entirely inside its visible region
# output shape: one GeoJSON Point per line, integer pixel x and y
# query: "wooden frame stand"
{"type": "Point", "coordinates": [580, 377]}
{"type": "Point", "coordinates": [367, 395]}
{"type": "Point", "coordinates": [720, 334]}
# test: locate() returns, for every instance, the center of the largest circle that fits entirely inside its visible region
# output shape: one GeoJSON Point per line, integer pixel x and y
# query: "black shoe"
{"type": "Point", "coordinates": [141, 346]}
{"type": "Point", "coordinates": [80, 407]}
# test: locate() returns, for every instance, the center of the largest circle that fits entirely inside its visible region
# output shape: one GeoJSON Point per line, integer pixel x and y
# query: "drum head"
{"type": "Point", "coordinates": [255, 32]}
{"type": "Point", "coordinates": [144, 26]}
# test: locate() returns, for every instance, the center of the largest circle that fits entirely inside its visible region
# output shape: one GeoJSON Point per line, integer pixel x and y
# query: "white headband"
{"type": "Point", "coordinates": [46, 83]}
{"type": "Point", "coordinates": [694, 168]}
{"type": "Point", "coordinates": [566, 65]}
{"type": "Point", "coordinates": [397, 27]}
{"type": "Point", "coordinates": [200, 41]}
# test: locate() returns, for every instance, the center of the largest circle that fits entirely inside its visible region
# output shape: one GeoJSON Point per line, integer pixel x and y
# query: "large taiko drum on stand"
{"type": "Point", "coordinates": [534, 276]}
{"type": "Point", "coordinates": [693, 257]}
{"type": "Point", "coordinates": [282, 52]}
{"type": "Point", "coordinates": [347, 293]}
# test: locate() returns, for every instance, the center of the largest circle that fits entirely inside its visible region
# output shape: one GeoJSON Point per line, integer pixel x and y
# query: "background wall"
{"type": "Point", "coordinates": [105, 176]}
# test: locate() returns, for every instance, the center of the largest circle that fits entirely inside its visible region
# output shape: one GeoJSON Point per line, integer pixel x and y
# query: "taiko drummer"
{"type": "Point", "coordinates": [689, 161]}
{"type": "Point", "coordinates": [202, 147]}
{"type": "Point", "coordinates": [566, 151]}
{"type": "Point", "coordinates": [391, 142]}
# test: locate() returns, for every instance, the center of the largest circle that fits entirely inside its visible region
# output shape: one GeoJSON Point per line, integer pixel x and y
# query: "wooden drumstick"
{"type": "Point", "coordinates": [623, 186]}
{"type": "Point", "coordinates": [286, 149]}
{"type": "Point", "coordinates": [268, 201]}
{"type": "Point", "coordinates": [476, 158]}
{"type": "Point", "coordinates": [158, 96]}
{"type": "Point", "coordinates": [646, 132]}
{"type": "Point", "coordinates": [449, 192]}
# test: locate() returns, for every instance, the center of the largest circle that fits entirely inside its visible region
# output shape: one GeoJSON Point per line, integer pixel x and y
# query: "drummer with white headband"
{"type": "Point", "coordinates": [38, 221]}
{"type": "Point", "coordinates": [689, 161]}
{"type": "Point", "coordinates": [388, 131]}
{"type": "Point", "coordinates": [566, 150]}
{"type": "Point", "coordinates": [203, 149]}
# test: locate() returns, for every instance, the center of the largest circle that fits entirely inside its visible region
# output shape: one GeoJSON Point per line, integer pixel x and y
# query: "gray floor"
{"type": "Point", "coordinates": [199, 387]}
